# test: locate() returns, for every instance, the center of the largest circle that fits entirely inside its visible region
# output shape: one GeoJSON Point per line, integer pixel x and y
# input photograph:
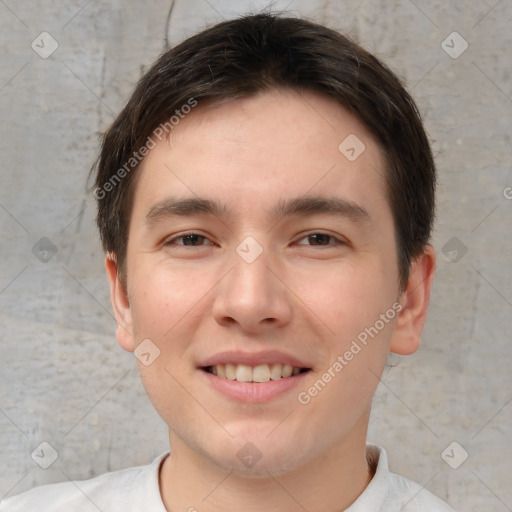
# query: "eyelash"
{"type": "Point", "coordinates": [336, 243]}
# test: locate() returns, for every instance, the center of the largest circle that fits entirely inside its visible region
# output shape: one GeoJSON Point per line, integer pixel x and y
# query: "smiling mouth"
{"type": "Point", "coordinates": [257, 374]}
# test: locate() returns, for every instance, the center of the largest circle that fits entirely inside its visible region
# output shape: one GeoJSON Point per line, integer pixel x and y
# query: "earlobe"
{"type": "Point", "coordinates": [120, 304]}
{"type": "Point", "coordinates": [406, 337]}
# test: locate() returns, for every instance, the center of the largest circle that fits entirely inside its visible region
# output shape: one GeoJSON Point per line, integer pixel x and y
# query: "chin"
{"type": "Point", "coordinates": [260, 459]}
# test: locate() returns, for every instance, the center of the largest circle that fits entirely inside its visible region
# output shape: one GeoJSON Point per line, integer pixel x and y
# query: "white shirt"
{"type": "Point", "coordinates": [136, 489]}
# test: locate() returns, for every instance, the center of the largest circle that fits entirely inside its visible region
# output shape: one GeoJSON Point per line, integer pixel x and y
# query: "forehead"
{"type": "Point", "coordinates": [252, 152]}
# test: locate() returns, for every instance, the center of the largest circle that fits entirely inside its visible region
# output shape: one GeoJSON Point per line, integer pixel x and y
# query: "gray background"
{"type": "Point", "coordinates": [65, 381]}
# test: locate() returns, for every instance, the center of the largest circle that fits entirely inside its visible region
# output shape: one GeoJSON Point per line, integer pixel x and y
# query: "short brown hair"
{"type": "Point", "coordinates": [256, 53]}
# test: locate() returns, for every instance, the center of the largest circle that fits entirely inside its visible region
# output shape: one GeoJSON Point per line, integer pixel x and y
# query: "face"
{"type": "Point", "coordinates": [257, 249]}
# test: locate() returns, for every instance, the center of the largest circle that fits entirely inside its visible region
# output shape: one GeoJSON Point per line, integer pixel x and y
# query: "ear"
{"type": "Point", "coordinates": [120, 304]}
{"type": "Point", "coordinates": [406, 337]}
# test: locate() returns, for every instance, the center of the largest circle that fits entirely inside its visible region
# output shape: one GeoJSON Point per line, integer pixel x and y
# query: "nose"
{"type": "Point", "coordinates": [253, 296]}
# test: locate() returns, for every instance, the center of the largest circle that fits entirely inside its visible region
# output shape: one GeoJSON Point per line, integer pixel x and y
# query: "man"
{"type": "Point", "coordinates": [265, 202]}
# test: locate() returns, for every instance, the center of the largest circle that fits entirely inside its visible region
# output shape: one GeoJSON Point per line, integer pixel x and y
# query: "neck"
{"type": "Point", "coordinates": [331, 482]}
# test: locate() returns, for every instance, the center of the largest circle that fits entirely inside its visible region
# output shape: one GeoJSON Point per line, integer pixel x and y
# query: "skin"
{"type": "Point", "coordinates": [305, 299]}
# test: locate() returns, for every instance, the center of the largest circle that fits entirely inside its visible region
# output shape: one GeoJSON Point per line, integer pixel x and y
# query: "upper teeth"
{"type": "Point", "coordinates": [260, 373]}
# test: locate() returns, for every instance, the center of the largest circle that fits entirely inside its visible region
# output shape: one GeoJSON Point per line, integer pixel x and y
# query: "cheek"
{"type": "Point", "coordinates": [163, 311]}
{"type": "Point", "coordinates": [347, 298]}
{"type": "Point", "coordinates": [356, 310]}
{"type": "Point", "coordinates": [344, 385]}
{"type": "Point", "coordinates": [163, 298]}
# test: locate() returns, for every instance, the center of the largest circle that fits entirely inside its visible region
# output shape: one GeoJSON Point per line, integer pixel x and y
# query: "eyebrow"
{"type": "Point", "coordinates": [300, 206]}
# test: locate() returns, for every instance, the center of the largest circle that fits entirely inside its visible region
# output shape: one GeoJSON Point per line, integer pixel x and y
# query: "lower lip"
{"type": "Point", "coordinates": [255, 392]}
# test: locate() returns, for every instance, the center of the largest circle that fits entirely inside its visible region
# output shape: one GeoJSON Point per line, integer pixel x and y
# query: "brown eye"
{"type": "Point", "coordinates": [189, 239]}
{"type": "Point", "coordinates": [320, 239]}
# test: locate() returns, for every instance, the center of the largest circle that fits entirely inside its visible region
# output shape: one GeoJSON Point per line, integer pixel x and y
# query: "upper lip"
{"type": "Point", "coordinates": [254, 359]}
